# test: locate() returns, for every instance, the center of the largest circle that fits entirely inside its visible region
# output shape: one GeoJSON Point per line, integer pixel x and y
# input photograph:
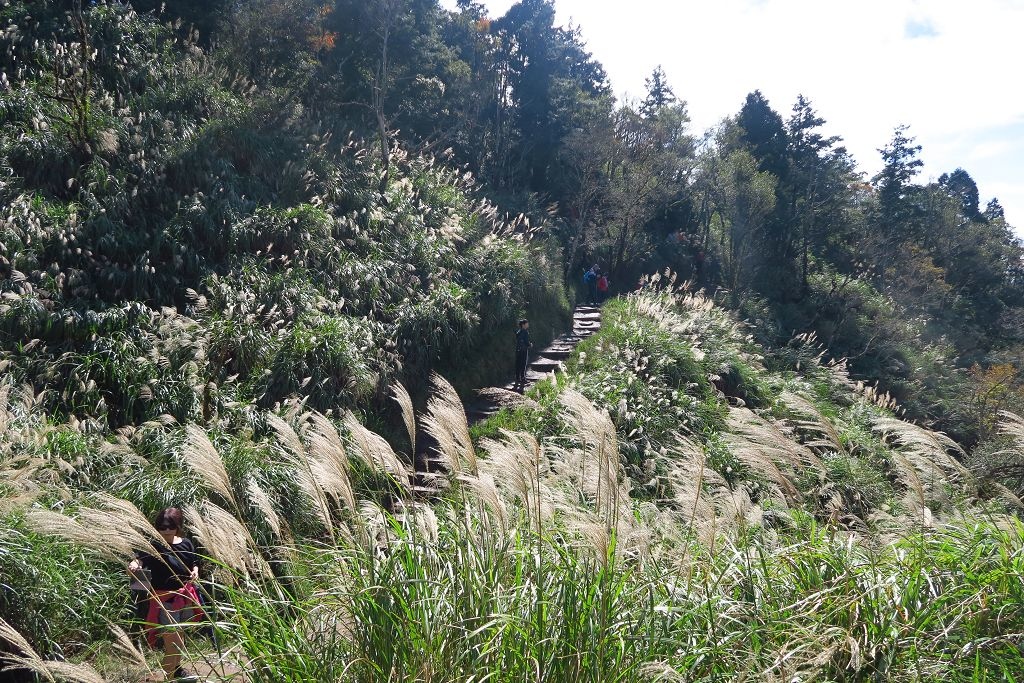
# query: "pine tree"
{"type": "Point", "coordinates": [961, 186]}
{"type": "Point", "coordinates": [659, 94]}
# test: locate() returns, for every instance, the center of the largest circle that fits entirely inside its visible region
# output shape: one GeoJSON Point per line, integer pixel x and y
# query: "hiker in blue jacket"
{"type": "Point", "coordinates": [590, 280]}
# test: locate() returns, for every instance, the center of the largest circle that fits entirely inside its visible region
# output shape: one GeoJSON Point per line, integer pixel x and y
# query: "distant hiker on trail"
{"type": "Point", "coordinates": [590, 280]}
{"type": "Point", "coordinates": [602, 286]}
{"type": "Point", "coordinates": [173, 569]}
{"type": "Point", "coordinates": [523, 345]}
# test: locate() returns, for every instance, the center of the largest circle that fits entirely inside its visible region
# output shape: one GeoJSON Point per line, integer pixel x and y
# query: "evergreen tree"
{"type": "Point", "coordinates": [961, 186]}
{"type": "Point", "coordinates": [994, 210]}
{"type": "Point", "coordinates": [659, 94]}
{"type": "Point", "coordinates": [899, 213]}
{"type": "Point", "coordinates": [764, 133]}
{"type": "Point", "coordinates": [550, 81]}
{"type": "Point", "coordinates": [817, 178]}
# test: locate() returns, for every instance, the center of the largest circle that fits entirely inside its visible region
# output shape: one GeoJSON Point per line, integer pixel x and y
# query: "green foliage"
{"type": "Point", "coordinates": [648, 378]}
{"type": "Point", "coordinates": [199, 247]}
{"type": "Point", "coordinates": [56, 594]}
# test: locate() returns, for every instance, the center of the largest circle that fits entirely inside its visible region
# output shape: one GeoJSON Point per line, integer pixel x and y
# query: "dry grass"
{"type": "Point", "coordinates": [321, 474]}
{"type": "Point", "coordinates": [1012, 426]}
{"type": "Point", "coordinates": [446, 423]}
{"type": "Point", "coordinates": [825, 435]}
{"type": "Point", "coordinates": [923, 464]}
{"type": "Point", "coordinates": [29, 660]}
{"type": "Point", "coordinates": [518, 467]}
{"type": "Point", "coordinates": [202, 457]}
{"type": "Point", "coordinates": [116, 530]}
{"type": "Point", "coordinates": [377, 453]}
{"type": "Point", "coordinates": [770, 452]}
{"type": "Point", "coordinates": [687, 478]}
{"type": "Point", "coordinates": [261, 501]}
{"type": "Point", "coordinates": [402, 398]}
{"type": "Point", "coordinates": [227, 540]}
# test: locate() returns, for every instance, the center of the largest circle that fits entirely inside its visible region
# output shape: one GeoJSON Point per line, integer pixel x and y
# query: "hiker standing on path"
{"type": "Point", "coordinates": [602, 287]}
{"type": "Point", "coordinates": [173, 569]}
{"type": "Point", "coordinates": [523, 345]}
{"type": "Point", "coordinates": [590, 280]}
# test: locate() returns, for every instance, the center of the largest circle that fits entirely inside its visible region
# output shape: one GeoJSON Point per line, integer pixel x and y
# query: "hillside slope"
{"type": "Point", "coordinates": [669, 508]}
{"type": "Point", "coordinates": [194, 242]}
{"type": "Point", "coordinates": [214, 298]}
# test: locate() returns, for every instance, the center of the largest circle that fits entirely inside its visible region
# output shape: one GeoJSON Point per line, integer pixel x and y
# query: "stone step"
{"type": "Point", "coordinates": [557, 352]}
{"type": "Point", "coordinates": [586, 323]}
{"type": "Point", "coordinates": [596, 317]}
{"type": "Point", "coordinates": [535, 376]}
{"type": "Point", "coordinates": [546, 365]}
{"type": "Point", "coordinates": [587, 309]}
{"type": "Point", "coordinates": [569, 340]}
{"type": "Point", "coordinates": [474, 416]}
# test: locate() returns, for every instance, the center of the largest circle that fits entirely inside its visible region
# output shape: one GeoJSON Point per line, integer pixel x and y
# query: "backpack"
{"type": "Point", "coordinates": [588, 277]}
{"type": "Point", "coordinates": [602, 284]}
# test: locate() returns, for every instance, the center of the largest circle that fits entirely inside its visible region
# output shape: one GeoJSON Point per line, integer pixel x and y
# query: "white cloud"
{"type": "Point", "coordinates": [952, 79]}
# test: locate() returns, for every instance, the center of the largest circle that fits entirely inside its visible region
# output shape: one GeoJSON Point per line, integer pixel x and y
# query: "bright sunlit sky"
{"type": "Point", "coordinates": [948, 68]}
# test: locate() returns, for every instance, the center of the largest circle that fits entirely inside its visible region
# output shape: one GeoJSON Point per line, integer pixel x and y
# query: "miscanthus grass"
{"type": "Point", "coordinates": [529, 559]}
{"type": "Point", "coordinates": [470, 604]}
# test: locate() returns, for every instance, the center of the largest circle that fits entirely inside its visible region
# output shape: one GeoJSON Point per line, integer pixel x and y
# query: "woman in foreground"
{"type": "Point", "coordinates": [173, 570]}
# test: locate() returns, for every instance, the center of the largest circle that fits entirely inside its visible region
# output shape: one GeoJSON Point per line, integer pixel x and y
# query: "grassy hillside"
{"type": "Point", "coordinates": [214, 295]}
{"type": "Point", "coordinates": [196, 242]}
{"type": "Point", "coordinates": [670, 509]}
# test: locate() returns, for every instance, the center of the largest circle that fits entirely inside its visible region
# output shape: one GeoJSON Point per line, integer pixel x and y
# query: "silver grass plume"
{"type": "Point", "coordinates": [328, 457]}
{"type": "Point", "coordinates": [767, 450]}
{"type": "Point", "coordinates": [377, 453]}
{"type": "Point", "coordinates": [29, 660]}
{"type": "Point", "coordinates": [126, 513]}
{"type": "Point", "coordinates": [1012, 425]}
{"type": "Point", "coordinates": [484, 489]}
{"type": "Point", "coordinates": [811, 420]}
{"type": "Point", "coordinates": [446, 423]}
{"type": "Point", "coordinates": [931, 446]}
{"type": "Point", "coordinates": [123, 644]}
{"type": "Point", "coordinates": [687, 477]}
{"type": "Point", "coordinates": [226, 539]}
{"type": "Point", "coordinates": [401, 396]}
{"type": "Point", "coordinates": [261, 501]}
{"type": "Point", "coordinates": [598, 459]}
{"type": "Point", "coordinates": [308, 474]}
{"type": "Point", "coordinates": [111, 532]}
{"type": "Point", "coordinates": [737, 509]}
{"type": "Point", "coordinates": [420, 520]}
{"type": "Point", "coordinates": [517, 467]}
{"type": "Point", "coordinates": [203, 459]}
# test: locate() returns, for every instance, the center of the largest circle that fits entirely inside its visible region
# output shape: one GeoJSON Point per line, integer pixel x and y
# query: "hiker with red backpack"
{"type": "Point", "coordinates": [602, 287]}
{"type": "Point", "coordinates": [169, 573]}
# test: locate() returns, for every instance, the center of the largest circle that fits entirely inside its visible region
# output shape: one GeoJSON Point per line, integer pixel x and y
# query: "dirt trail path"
{"type": "Point", "coordinates": [586, 320]}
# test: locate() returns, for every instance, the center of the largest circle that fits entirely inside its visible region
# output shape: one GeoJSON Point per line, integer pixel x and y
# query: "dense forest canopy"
{"type": "Point", "coordinates": [231, 229]}
{"type": "Point", "coordinates": [156, 139]}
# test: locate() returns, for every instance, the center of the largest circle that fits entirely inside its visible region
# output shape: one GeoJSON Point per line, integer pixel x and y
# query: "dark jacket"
{"type": "Point", "coordinates": [522, 340]}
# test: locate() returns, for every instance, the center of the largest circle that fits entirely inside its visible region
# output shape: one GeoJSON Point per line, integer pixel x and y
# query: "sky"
{"type": "Point", "coordinates": [947, 68]}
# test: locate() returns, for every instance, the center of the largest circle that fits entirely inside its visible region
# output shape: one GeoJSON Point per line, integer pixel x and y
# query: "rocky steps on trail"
{"type": "Point", "coordinates": [586, 320]}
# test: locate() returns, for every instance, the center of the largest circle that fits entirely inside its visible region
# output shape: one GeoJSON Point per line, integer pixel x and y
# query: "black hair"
{"type": "Point", "coordinates": [523, 321]}
{"type": "Point", "coordinates": [169, 517]}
